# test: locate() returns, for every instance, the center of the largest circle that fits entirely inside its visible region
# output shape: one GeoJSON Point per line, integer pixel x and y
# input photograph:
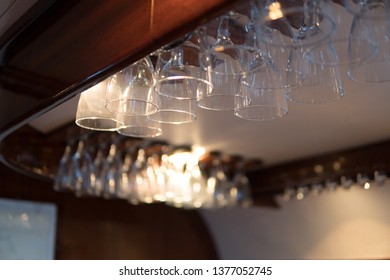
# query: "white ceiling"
{"type": "Point", "coordinates": [361, 117]}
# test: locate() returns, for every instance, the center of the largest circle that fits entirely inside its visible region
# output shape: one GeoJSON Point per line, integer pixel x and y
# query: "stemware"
{"type": "Point", "coordinates": [219, 182]}
{"type": "Point", "coordinates": [262, 86]}
{"type": "Point", "coordinates": [181, 76]}
{"type": "Point", "coordinates": [242, 187]}
{"type": "Point", "coordinates": [223, 64]}
{"type": "Point", "coordinates": [130, 92]}
{"type": "Point", "coordinates": [175, 111]}
{"type": "Point", "coordinates": [111, 172]}
{"type": "Point", "coordinates": [81, 169]}
{"type": "Point", "coordinates": [62, 180]}
{"type": "Point", "coordinates": [287, 32]}
{"type": "Point", "coordinates": [322, 82]}
{"type": "Point", "coordinates": [303, 30]}
{"type": "Point", "coordinates": [347, 42]}
{"type": "Point", "coordinates": [143, 191]}
{"type": "Point", "coordinates": [371, 22]}
{"type": "Point", "coordinates": [99, 161]}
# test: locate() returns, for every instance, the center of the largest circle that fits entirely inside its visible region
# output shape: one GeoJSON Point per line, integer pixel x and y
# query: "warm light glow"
{"type": "Point", "coordinates": [219, 49]}
{"type": "Point", "coordinates": [198, 151]}
{"type": "Point", "coordinates": [180, 159]}
{"type": "Point", "coordinates": [367, 185]}
{"type": "Point", "coordinates": [275, 11]}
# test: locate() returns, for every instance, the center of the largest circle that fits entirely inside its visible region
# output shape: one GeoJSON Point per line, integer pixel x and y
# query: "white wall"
{"type": "Point", "coordinates": [346, 224]}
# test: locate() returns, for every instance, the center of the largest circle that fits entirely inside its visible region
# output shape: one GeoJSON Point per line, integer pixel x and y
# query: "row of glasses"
{"type": "Point", "coordinates": [346, 182]}
{"type": "Point", "coordinates": [114, 167]}
{"type": "Point", "coordinates": [251, 61]}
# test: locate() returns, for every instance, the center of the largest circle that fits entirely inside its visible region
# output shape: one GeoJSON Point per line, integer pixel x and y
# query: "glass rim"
{"type": "Point", "coordinates": [202, 101]}
{"type": "Point", "coordinates": [192, 116]}
{"type": "Point", "coordinates": [108, 107]}
{"type": "Point", "coordinates": [158, 83]}
{"type": "Point", "coordinates": [337, 95]}
{"type": "Point", "coordinates": [79, 122]}
{"type": "Point", "coordinates": [157, 131]}
{"type": "Point", "coordinates": [238, 112]}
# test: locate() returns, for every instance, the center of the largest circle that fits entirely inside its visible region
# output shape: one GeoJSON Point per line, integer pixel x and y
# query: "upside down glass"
{"type": "Point", "coordinates": [371, 22]}
{"type": "Point", "coordinates": [92, 112]}
{"type": "Point", "coordinates": [130, 92]}
{"type": "Point", "coordinates": [223, 64]}
{"type": "Point", "coordinates": [181, 76]}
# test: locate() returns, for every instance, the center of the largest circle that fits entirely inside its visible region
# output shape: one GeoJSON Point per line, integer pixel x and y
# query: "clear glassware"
{"type": "Point", "coordinates": [262, 86]}
{"type": "Point", "coordinates": [127, 186]}
{"type": "Point", "coordinates": [62, 180]}
{"type": "Point", "coordinates": [139, 177]}
{"type": "Point", "coordinates": [223, 63]}
{"type": "Point", "coordinates": [130, 92]}
{"type": "Point", "coordinates": [304, 42]}
{"type": "Point", "coordinates": [198, 183]}
{"type": "Point", "coordinates": [92, 112]}
{"type": "Point", "coordinates": [287, 32]}
{"type": "Point", "coordinates": [181, 77]}
{"type": "Point", "coordinates": [81, 169]}
{"type": "Point", "coordinates": [179, 192]}
{"type": "Point", "coordinates": [99, 162]}
{"type": "Point", "coordinates": [371, 23]}
{"type": "Point", "coordinates": [139, 126]}
{"type": "Point", "coordinates": [220, 183]}
{"type": "Point", "coordinates": [175, 111]}
{"type": "Point", "coordinates": [322, 82]}
{"type": "Point", "coordinates": [111, 174]}
{"type": "Point", "coordinates": [344, 36]}
{"type": "Point", "coordinates": [243, 193]}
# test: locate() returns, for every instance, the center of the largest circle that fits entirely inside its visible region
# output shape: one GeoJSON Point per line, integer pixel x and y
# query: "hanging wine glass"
{"type": "Point", "coordinates": [139, 177]}
{"type": "Point", "coordinates": [371, 22]}
{"type": "Point", "coordinates": [262, 87]}
{"type": "Point", "coordinates": [113, 183]}
{"type": "Point", "coordinates": [345, 36]}
{"type": "Point", "coordinates": [181, 77]}
{"type": "Point", "coordinates": [179, 192]}
{"type": "Point", "coordinates": [242, 187]}
{"type": "Point", "coordinates": [223, 63]}
{"type": "Point", "coordinates": [62, 180]}
{"type": "Point", "coordinates": [99, 161]}
{"type": "Point", "coordinates": [130, 92]}
{"type": "Point", "coordinates": [322, 82]}
{"type": "Point", "coordinates": [81, 169]}
{"type": "Point", "coordinates": [219, 182]}
{"type": "Point", "coordinates": [127, 186]}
